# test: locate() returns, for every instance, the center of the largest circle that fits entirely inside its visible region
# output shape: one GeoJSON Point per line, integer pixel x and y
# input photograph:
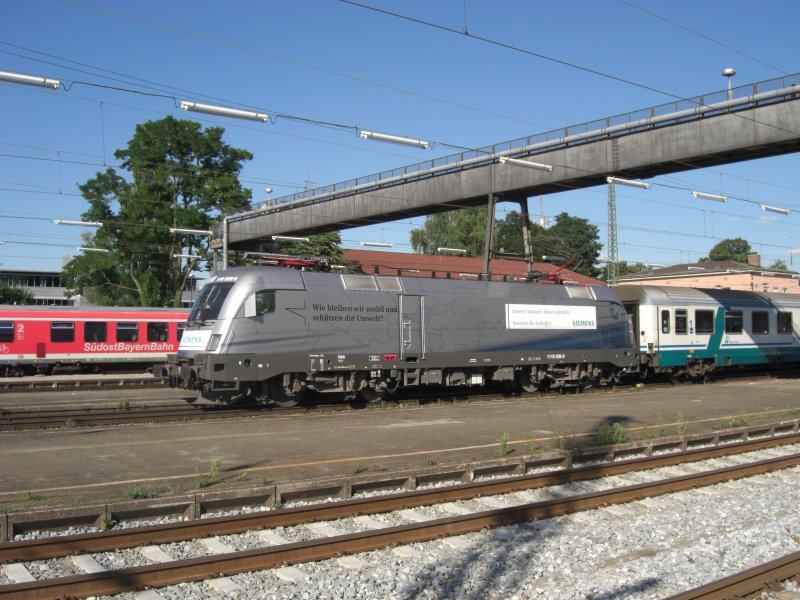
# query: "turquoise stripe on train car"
{"type": "Point", "coordinates": [727, 356]}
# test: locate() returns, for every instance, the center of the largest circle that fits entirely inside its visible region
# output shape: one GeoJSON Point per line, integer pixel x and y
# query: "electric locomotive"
{"type": "Point", "coordinates": [688, 332]}
{"type": "Point", "coordinates": [275, 334]}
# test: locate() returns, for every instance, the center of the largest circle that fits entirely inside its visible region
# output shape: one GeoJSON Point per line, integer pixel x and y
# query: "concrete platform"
{"type": "Point", "coordinates": [42, 468]}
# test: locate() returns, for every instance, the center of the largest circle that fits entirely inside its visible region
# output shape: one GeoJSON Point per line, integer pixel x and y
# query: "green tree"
{"type": "Point", "coordinates": [625, 268]}
{"type": "Point", "coordinates": [464, 228]}
{"type": "Point", "coordinates": [325, 245]}
{"type": "Point", "coordinates": [179, 176]}
{"type": "Point", "coordinates": [779, 265]}
{"type": "Point", "coordinates": [582, 239]}
{"type": "Point", "coordinates": [570, 237]}
{"type": "Point", "coordinates": [735, 249]}
{"type": "Point", "coordinates": [14, 295]}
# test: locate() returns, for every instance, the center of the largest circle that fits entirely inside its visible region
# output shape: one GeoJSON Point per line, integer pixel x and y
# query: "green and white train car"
{"type": "Point", "coordinates": [692, 332]}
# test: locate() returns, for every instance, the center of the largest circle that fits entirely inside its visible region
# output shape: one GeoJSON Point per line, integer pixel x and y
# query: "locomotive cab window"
{"type": "Point", "coordinates": [127, 332]}
{"type": "Point", "coordinates": [734, 321]}
{"type": "Point", "coordinates": [6, 331]}
{"type": "Point", "coordinates": [664, 321]}
{"type": "Point", "coordinates": [157, 332]}
{"type": "Point", "coordinates": [259, 304]}
{"type": "Point", "coordinates": [95, 331]}
{"type": "Point", "coordinates": [760, 321]}
{"type": "Point", "coordinates": [62, 331]}
{"type": "Point", "coordinates": [704, 322]}
{"type": "Point", "coordinates": [179, 329]}
{"type": "Point", "coordinates": [681, 321]}
{"type": "Point", "coordinates": [784, 322]}
{"type": "Point", "coordinates": [265, 302]}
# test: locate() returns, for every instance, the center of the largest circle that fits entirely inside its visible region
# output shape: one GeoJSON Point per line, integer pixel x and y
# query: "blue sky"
{"type": "Point", "coordinates": [332, 62]}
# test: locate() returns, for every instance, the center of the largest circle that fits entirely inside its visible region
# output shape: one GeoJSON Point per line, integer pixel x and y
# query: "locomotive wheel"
{"type": "Point", "coordinates": [371, 395]}
{"type": "Point", "coordinates": [283, 397]}
{"type": "Point", "coordinates": [526, 383]}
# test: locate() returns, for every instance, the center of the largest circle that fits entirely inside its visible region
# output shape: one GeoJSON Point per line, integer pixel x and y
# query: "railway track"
{"type": "Point", "coordinates": [22, 416]}
{"type": "Point", "coordinates": [748, 582]}
{"type": "Point", "coordinates": [84, 417]}
{"type": "Point", "coordinates": [286, 552]}
{"type": "Point", "coordinates": [56, 383]}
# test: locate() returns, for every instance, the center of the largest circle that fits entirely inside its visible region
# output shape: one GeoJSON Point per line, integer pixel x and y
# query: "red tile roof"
{"type": "Point", "coordinates": [458, 267]}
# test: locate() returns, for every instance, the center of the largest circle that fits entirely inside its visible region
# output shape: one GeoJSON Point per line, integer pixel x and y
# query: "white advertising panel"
{"type": "Point", "coordinates": [550, 316]}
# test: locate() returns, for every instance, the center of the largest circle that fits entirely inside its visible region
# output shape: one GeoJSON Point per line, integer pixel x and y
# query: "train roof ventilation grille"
{"type": "Point", "coordinates": [359, 282]}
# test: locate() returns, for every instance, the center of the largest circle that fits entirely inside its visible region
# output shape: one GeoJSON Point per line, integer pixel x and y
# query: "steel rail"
{"type": "Point", "coordinates": [185, 530]}
{"type": "Point", "coordinates": [747, 582]}
{"type": "Point", "coordinates": [17, 422]}
{"type": "Point", "coordinates": [164, 574]}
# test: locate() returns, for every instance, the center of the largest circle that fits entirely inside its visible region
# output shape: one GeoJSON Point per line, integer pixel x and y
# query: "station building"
{"type": "Point", "coordinates": [721, 275]}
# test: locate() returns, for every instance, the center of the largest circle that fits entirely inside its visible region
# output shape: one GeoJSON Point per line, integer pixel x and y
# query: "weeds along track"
{"type": "Point", "coordinates": [362, 524]}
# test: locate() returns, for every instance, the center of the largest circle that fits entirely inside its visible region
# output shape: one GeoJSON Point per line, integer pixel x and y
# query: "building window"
{"type": "Point", "coordinates": [760, 321]}
{"type": "Point", "coordinates": [95, 331]}
{"type": "Point", "coordinates": [6, 331]}
{"type": "Point", "coordinates": [62, 331]}
{"type": "Point", "coordinates": [664, 321]}
{"type": "Point", "coordinates": [127, 332]}
{"type": "Point", "coordinates": [734, 321]}
{"type": "Point", "coordinates": [784, 322]}
{"type": "Point", "coordinates": [704, 322]}
{"type": "Point", "coordinates": [681, 321]}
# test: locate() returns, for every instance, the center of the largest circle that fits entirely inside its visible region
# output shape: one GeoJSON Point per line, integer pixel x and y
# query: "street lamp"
{"type": "Point", "coordinates": [287, 238]}
{"type": "Point", "coordinates": [775, 209]}
{"type": "Point", "coordinates": [628, 182]}
{"type": "Point", "coordinates": [190, 231]}
{"type": "Point", "coordinates": [452, 250]}
{"type": "Point", "coordinates": [29, 79]}
{"type": "Point", "coordinates": [707, 196]}
{"type": "Point", "coordinates": [729, 73]}
{"type": "Point", "coordinates": [394, 139]}
{"type": "Point", "coordinates": [378, 244]}
{"type": "Point", "coordinates": [524, 163]}
{"type": "Point", "coordinates": [77, 223]}
{"type": "Point", "coordinates": [223, 111]}
{"type": "Point", "coordinates": [98, 250]}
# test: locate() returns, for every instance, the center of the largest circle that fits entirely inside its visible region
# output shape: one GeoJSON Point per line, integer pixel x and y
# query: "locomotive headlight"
{"type": "Point", "coordinates": [213, 342]}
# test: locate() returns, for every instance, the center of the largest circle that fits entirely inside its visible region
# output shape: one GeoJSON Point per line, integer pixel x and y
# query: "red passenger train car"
{"type": "Point", "coordinates": [63, 339]}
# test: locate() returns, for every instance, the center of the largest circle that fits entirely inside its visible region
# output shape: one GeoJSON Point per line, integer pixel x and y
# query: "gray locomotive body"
{"type": "Point", "coordinates": [275, 333]}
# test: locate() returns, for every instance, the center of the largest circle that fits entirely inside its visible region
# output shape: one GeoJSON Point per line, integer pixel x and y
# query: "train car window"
{"type": "Point", "coordinates": [157, 332]}
{"type": "Point", "coordinates": [734, 321]}
{"type": "Point", "coordinates": [94, 331]}
{"type": "Point", "coordinates": [704, 322]}
{"type": "Point", "coordinates": [784, 322]}
{"type": "Point", "coordinates": [390, 284]}
{"type": "Point", "coordinates": [265, 302]}
{"type": "Point", "coordinates": [127, 332]}
{"type": "Point", "coordinates": [359, 282]}
{"type": "Point", "coordinates": [179, 329]}
{"type": "Point", "coordinates": [62, 331]}
{"type": "Point", "coordinates": [760, 321]}
{"type": "Point", "coordinates": [681, 321]}
{"type": "Point", "coordinates": [664, 321]}
{"type": "Point", "coordinates": [6, 331]}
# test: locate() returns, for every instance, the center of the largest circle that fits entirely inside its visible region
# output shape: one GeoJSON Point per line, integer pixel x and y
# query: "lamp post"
{"type": "Point", "coordinates": [29, 79]}
{"type": "Point", "coordinates": [729, 73]}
